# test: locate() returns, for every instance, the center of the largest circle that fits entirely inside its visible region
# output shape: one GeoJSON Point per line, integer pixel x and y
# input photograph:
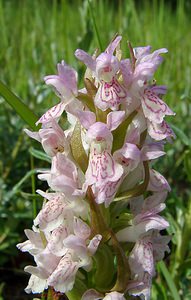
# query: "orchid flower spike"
{"type": "Point", "coordinates": [104, 194]}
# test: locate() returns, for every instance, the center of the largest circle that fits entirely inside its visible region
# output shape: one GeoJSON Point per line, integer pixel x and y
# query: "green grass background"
{"type": "Point", "coordinates": [34, 36]}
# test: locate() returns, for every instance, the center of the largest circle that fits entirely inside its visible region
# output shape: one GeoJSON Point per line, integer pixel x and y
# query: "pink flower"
{"type": "Point", "coordinates": [63, 176]}
{"type": "Point", "coordinates": [52, 138]}
{"type": "Point", "coordinates": [105, 68]}
{"type": "Point", "coordinates": [65, 83]}
{"type": "Point", "coordinates": [58, 209]}
{"type": "Point", "coordinates": [145, 253]}
{"type": "Point", "coordinates": [146, 217]}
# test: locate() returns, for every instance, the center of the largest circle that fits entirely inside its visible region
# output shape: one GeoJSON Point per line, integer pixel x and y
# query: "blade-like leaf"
{"type": "Point", "coordinates": [22, 110]}
{"type": "Point", "coordinates": [169, 280]}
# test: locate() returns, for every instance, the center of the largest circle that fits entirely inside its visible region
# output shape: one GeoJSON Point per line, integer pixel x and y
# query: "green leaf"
{"type": "Point", "coordinates": [77, 291]}
{"type": "Point", "coordinates": [120, 132]}
{"type": "Point", "coordinates": [21, 109]}
{"type": "Point", "coordinates": [77, 148]}
{"type": "Point", "coordinates": [169, 280]}
{"type": "Point", "coordinates": [181, 135]}
{"type": "Point", "coordinates": [105, 269]}
{"type": "Point", "coordinates": [40, 155]}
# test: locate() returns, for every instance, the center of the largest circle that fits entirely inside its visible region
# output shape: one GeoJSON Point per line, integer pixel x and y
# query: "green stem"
{"type": "Point", "coordinates": [98, 224]}
{"type": "Point", "coordinates": [123, 270]}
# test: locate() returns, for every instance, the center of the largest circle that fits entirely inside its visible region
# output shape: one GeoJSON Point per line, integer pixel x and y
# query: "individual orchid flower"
{"type": "Point", "coordinates": [130, 155]}
{"type": "Point", "coordinates": [139, 89]}
{"type": "Point", "coordinates": [105, 67]}
{"type": "Point", "coordinates": [34, 244]}
{"type": "Point", "coordinates": [102, 167]}
{"type": "Point", "coordinates": [160, 131]}
{"type": "Point", "coordinates": [65, 86]}
{"type": "Point", "coordinates": [65, 83]}
{"type": "Point", "coordinates": [46, 264]}
{"type": "Point", "coordinates": [146, 63]}
{"type": "Point", "coordinates": [146, 252]}
{"type": "Point", "coordinates": [81, 244]}
{"type": "Point", "coordinates": [63, 277]}
{"type": "Point", "coordinates": [156, 131]}
{"type": "Point", "coordinates": [52, 138]}
{"type": "Point", "coordinates": [58, 209]}
{"type": "Point", "coordinates": [76, 251]}
{"type": "Point", "coordinates": [136, 73]}
{"type": "Point", "coordinates": [153, 107]}
{"type": "Point", "coordinates": [146, 219]}
{"type": "Point", "coordinates": [63, 176]}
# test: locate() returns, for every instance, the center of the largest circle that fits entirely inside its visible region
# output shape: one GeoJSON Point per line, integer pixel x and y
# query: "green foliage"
{"type": "Point", "coordinates": [35, 35]}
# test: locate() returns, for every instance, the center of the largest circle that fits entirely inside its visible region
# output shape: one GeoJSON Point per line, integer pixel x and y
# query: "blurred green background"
{"type": "Point", "coordinates": [34, 36]}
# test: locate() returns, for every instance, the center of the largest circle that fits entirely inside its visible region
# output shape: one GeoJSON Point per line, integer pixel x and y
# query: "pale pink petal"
{"type": "Point", "coordinates": [157, 182]}
{"type": "Point", "coordinates": [106, 192]}
{"type": "Point", "coordinates": [46, 262]}
{"type": "Point", "coordinates": [154, 200]}
{"type": "Point", "coordinates": [34, 245]}
{"type": "Point", "coordinates": [77, 244]}
{"type": "Point", "coordinates": [51, 215]}
{"type": "Point", "coordinates": [153, 107]}
{"type": "Point", "coordinates": [65, 83]}
{"type": "Point", "coordinates": [160, 246]}
{"type": "Point", "coordinates": [141, 287]}
{"type": "Point", "coordinates": [160, 131]}
{"type": "Point", "coordinates": [69, 76]}
{"type": "Point", "coordinates": [94, 243]}
{"type": "Point", "coordinates": [63, 277]}
{"type": "Point", "coordinates": [99, 132]}
{"type": "Point", "coordinates": [102, 168]}
{"type": "Point", "coordinates": [86, 59]}
{"type": "Point", "coordinates": [36, 285]}
{"type": "Point", "coordinates": [114, 296]}
{"type": "Point", "coordinates": [141, 51]}
{"type": "Point", "coordinates": [87, 118]}
{"type": "Point", "coordinates": [141, 258]}
{"type": "Point", "coordinates": [107, 66]}
{"type": "Point", "coordinates": [110, 95]}
{"type": "Point", "coordinates": [134, 232]}
{"type": "Point", "coordinates": [40, 272]}
{"type": "Point", "coordinates": [113, 45]}
{"type": "Point", "coordinates": [55, 243]}
{"type": "Point", "coordinates": [114, 119]}
{"type": "Point", "coordinates": [152, 151]}
{"type": "Point", "coordinates": [53, 113]}
{"type": "Point", "coordinates": [126, 71]}
{"type": "Point", "coordinates": [33, 135]}
{"type": "Point", "coordinates": [81, 229]}
{"type": "Point", "coordinates": [63, 176]}
{"type": "Point", "coordinates": [158, 89]}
